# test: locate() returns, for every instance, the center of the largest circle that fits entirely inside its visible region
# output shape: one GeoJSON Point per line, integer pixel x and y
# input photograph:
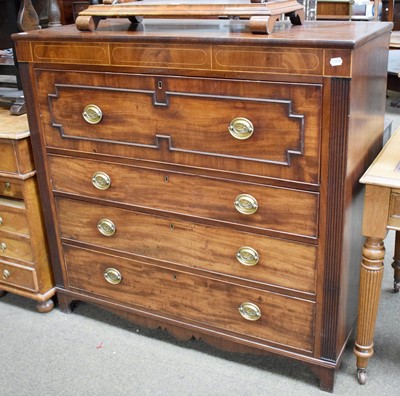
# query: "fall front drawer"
{"type": "Point", "coordinates": [266, 129]}
{"type": "Point", "coordinates": [194, 299]}
{"type": "Point", "coordinates": [218, 250]}
{"type": "Point", "coordinates": [274, 209]}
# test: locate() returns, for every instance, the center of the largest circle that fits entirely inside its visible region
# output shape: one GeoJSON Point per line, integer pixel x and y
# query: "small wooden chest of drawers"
{"type": "Point", "coordinates": [24, 260]}
{"type": "Point", "coordinates": [205, 179]}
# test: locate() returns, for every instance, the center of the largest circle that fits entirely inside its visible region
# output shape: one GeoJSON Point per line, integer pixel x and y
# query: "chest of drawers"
{"type": "Point", "coordinates": [24, 260]}
{"type": "Point", "coordinates": [205, 179]}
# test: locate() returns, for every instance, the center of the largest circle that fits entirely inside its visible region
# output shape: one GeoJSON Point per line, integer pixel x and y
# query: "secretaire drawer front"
{"type": "Point", "coordinates": [196, 299]}
{"type": "Point", "coordinates": [219, 250]}
{"type": "Point", "coordinates": [13, 216]}
{"type": "Point", "coordinates": [18, 275]}
{"type": "Point", "coordinates": [268, 208]}
{"type": "Point", "coordinates": [266, 129]}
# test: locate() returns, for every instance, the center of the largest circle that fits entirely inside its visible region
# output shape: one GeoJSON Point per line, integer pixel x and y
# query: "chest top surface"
{"type": "Point", "coordinates": [331, 34]}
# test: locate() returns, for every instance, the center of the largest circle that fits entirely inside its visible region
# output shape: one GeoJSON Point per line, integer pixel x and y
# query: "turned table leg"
{"type": "Point", "coordinates": [370, 290]}
{"type": "Point", "coordinates": [396, 263]}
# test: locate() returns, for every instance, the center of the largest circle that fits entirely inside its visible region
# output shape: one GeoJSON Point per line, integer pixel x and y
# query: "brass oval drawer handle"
{"type": "Point", "coordinates": [247, 256]}
{"type": "Point", "coordinates": [92, 114]}
{"type": "Point", "coordinates": [106, 227]}
{"type": "Point", "coordinates": [113, 276]}
{"type": "Point", "coordinates": [241, 128]}
{"type": "Point", "coordinates": [3, 246]}
{"type": "Point", "coordinates": [246, 204]}
{"type": "Point", "coordinates": [101, 181]}
{"type": "Point", "coordinates": [6, 274]}
{"type": "Point", "coordinates": [7, 186]}
{"type": "Point", "coordinates": [250, 311]}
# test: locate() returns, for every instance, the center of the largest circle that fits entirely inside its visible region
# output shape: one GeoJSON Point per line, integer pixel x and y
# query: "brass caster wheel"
{"type": "Point", "coordinates": [396, 287]}
{"type": "Point", "coordinates": [362, 376]}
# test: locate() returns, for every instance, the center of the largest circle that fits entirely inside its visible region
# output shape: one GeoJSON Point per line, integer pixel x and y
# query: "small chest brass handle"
{"type": "Point", "coordinates": [250, 311]}
{"type": "Point", "coordinates": [247, 256]}
{"type": "Point", "coordinates": [6, 274]}
{"type": "Point", "coordinates": [246, 204]}
{"type": "Point", "coordinates": [1, 221]}
{"type": "Point", "coordinates": [3, 246]}
{"type": "Point", "coordinates": [113, 276]}
{"type": "Point", "coordinates": [241, 128]}
{"type": "Point", "coordinates": [7, 186]}
{"type": "Point", "coordinates": [92, 114]}
{"type": "Point", "coordinates": [106, 227]}
{"type": "Point", "coordinates": [101, 181]}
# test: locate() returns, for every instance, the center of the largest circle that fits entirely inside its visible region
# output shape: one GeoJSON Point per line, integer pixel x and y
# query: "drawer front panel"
{"type": "Point", "coordinates": [192, 123]}
{"type": "Point", "coordinates": [16, 156]}
{"type": "Point", "coordinates": [8, 157]}
{"type": "Point", "coordinates": [282, 210]}
{"type": "Point", "coordinates": [283, 320]}
{"type": "Point", "coordinates": [11, 188]}
{"type": "Point", "coordinates": [17, 275]}
{"type": "Point", "coordinates": [238, 254]}
{"type": "Point", "coordinates": [15, 247]}
{"type": "Point", "coordinates": [13, 216]}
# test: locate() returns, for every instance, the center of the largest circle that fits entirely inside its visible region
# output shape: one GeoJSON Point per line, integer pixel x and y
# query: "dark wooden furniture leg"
{"type": "Point", "coordinates": [396, 263]}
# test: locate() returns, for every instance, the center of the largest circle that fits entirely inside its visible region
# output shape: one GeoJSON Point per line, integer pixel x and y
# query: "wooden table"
{"type": "Point", "coordinates": [381, 212]}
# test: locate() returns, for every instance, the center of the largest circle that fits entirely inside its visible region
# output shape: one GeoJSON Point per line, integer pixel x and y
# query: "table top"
{"type": "Point", "coordinates": [385, 170]}
{"type": "Point", "coordinates": [13, 127]}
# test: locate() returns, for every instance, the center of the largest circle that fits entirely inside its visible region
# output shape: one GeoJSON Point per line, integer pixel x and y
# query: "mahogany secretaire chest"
{"type": "Point", "coordinates": [202, 178]}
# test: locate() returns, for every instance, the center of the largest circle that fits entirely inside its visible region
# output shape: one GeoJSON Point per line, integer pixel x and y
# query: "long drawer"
{"type": "Point", "coordinates": [257, 128]}
{"type": "Point", "coordinates": [13, 216]}
{"type": "Point", "coordinates": [219, 250]}
{"type": "Point", "coordinates": [268, 208]}
{"type": "Point", "coordinates": [271, 317]}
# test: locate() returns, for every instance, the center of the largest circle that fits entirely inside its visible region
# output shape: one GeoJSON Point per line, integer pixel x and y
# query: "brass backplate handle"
{"type": "Point", "coordinates": [241, 128]}
{"type": "Point", "coordinates": [3, 246]}
{"type": "Point", "coordinates": [106, 227]}
{"type": "Point", "coordinates": [247, 256]}
{"type": "Point", "coordinates": [246, 204]}
{"type": "Point", "coordinates": [113, 276]}
{"type": "Point", "coordinates": [6, 274]}
{"type": "Point", "coordinates": [92, 114]}
{"type": "Point", "coordinates": [101, 181]}
{"type": "Point", "coordinates": [250, 311]}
